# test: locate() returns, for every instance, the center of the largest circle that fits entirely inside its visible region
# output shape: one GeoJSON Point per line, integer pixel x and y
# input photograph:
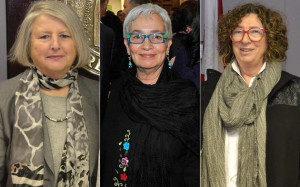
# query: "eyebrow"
{"type": "Point", "coordinates": [152, 31]}
{"type": "Point", "coordinates": [249, 27]}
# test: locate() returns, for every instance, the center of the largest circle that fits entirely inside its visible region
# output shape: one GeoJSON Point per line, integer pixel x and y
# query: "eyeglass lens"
{"type": "Point", "coordinates": [255, 34]}
{"type": "Point", "coordinates": [140, 38]}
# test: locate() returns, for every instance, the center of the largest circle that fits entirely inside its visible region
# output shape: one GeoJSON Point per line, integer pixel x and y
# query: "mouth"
{"type": "Point", "coordinates": [246, 50]}
{"type": "Point", "coordinates": [147, 55]}
{"type": "Point", "coordinates": [55, 57]}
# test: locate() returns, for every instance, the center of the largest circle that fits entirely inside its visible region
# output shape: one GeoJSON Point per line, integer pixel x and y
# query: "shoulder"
{"type": "Point", "coordinates": [286, 91]}
{"type": "Point", "coordinates": [88, 85]}
{"type": "Point", "coordinates": [106, 31]}
{"type": "Point", "coordinates": [8, 87]}
{"type": "Point", "coordinates": [209, 85]}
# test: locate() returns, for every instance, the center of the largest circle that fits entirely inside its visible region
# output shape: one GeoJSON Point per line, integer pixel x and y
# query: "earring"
{"type": "Point", "coordinates": [129, 63]}
{"type": "Point", "coordinates": [169, 63]}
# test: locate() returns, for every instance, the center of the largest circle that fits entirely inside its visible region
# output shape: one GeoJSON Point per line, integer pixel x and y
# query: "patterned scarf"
{"type": "Point", "coordinates": [235, 106]}
{"type": "Point", "coordinates": [27, 154]}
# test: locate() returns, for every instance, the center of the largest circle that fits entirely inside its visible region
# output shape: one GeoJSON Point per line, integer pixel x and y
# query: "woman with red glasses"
{"type": "Point", "coordinates": [251, 116]}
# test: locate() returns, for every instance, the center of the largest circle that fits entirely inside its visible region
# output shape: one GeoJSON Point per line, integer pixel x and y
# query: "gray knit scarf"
{"type": "Point", "coordinates": [27, 155]}
{"type": "Point", "coordinates": [235, 106]}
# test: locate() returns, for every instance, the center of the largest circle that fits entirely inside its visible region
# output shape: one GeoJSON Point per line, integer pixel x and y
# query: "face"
{"type": "Point", "coordinates": [52, 48]}
{"type": "Point", "coordinates": [127, 7]}
{"type": "Point", "coordinates": [246, 51]}
{"type": "Point", "coordinates": [148, 55]}
{"type": "Point", "coordinates": [121, 16]}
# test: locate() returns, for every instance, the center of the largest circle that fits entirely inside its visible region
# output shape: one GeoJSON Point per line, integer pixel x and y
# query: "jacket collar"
{"type": "Point", "coordinates": [284, 79]}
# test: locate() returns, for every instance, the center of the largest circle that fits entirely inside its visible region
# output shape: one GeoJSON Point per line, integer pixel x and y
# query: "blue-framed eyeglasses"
{"type": "Point", "coordinates": [154, 38]}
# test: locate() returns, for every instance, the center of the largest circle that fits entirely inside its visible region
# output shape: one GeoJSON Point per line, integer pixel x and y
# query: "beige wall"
{"type": "Point", "coordinates": [116, 5]}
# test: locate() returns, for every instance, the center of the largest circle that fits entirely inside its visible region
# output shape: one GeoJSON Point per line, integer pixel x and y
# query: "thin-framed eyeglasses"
{"type": "Point", "coordinates": [254, 34]}
{"type": "Point", "coordinates": [154, 38]}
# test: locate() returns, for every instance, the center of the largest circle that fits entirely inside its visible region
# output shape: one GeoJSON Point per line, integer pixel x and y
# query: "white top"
{"type": "Point", "coordinates": [232, 142]}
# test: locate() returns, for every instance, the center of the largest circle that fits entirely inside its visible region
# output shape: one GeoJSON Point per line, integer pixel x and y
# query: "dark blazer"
{"type": "Point", "coordinates": [89, 89]}
{"type": "Point", "coordinates": [119, 61]}
{"type": "Point", "coordinates": [283, 128]}
{"type": "Point", "coordinates": [107, 38]}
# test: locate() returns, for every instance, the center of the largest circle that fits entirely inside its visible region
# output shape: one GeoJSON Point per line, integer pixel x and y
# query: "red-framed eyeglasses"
{"type": "Point", "coordinates": [254, 34]}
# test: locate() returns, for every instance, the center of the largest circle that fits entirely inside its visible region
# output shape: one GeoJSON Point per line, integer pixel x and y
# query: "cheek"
{"type": "Point", "coordinates": [134, 49]}
{"type": "Point", "coordinates": [161, 49]}
{"type": "Point", "coordinates": [234, 46]}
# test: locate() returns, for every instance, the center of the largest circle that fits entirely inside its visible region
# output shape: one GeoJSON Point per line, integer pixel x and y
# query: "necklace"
{"type": "Point", "coordinates": [55, 120]}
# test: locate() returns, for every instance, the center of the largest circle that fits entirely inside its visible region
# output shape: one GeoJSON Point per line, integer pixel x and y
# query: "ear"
{"type": "Point", "coordinates": [169, 43]}
{"type": "Point", "coordinates": [127, 46]}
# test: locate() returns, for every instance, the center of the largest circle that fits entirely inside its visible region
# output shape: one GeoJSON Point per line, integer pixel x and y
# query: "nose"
{"type": "Point", "coordinates": [246, 38]}
{"type": "Point", "coordinates": [147, 45]}
{"type": "Point", "coordinates": [55, 43]}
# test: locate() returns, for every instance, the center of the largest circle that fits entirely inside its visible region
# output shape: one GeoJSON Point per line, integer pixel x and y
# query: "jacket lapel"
{"type": "Point", "coordinates": [91, 115]}
{"type": "Point", "coordinates": [47, 149]}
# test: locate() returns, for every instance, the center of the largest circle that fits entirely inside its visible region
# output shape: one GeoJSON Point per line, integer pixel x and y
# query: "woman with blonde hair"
{"type": "Point", "coordinates": [49, 123]}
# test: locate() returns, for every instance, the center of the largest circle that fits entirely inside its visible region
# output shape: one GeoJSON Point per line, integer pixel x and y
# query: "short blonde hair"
{"type": "Point", "coordinates": [20, 51]}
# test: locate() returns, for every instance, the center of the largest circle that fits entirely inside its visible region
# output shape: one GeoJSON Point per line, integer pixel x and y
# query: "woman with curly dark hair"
{"type": "Point", "coordinates": [251, 122]}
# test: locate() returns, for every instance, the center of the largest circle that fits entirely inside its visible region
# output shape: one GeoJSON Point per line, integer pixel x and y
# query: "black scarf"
{"type": "Point", "coordinates": [170, 107]}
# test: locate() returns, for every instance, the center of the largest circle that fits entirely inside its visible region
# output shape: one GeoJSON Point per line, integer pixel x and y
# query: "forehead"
{"type": "Point", "coordinates": [149, 23]}
{"type": "Point", "coordinates": [250, 20]}
{"type": "Point", "coordinates": [45, 19]}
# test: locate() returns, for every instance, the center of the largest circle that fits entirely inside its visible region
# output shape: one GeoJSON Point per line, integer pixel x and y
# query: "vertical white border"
{"type": "Point", "coordinates": [3, 50]}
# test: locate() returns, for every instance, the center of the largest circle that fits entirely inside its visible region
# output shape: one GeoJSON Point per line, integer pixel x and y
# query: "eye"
{"type": "Point", "coordinates": [44, 37]}
{"type": "Point", "coordinates": [157, 36]}
{"type": "Point", "coordinates": [237, 31]}
{"type": "Point", "coordinates": [255, 31]}
{"type": "Point", "coordinates": [137, 36]}
{"type": "Point", "coordinates": [65, 36]}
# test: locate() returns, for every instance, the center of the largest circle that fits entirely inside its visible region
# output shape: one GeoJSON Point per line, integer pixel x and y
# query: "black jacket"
{"type": "Point", "coordinates": [283, 128]}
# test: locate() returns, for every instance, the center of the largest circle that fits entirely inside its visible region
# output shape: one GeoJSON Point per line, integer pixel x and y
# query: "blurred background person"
{"type": "Point", "coordinates": [119, 58]}
{"type": "Point", "coordinates": [182, 20]}
{"type": "Point", "coordinates": [49, 114]}
{"type": "Point", "coordinates": [251, 120]}
{"type": "Point", "coordinates": [107, 46]}
{"type": "Point", "coordinates": [109, 12]}
{"type": "Point", "coordinates": [121, 16]}
{"type": "Point", "coordinates": [150, 133]}
{"type": "Point", "coordinates": [187, 61]}
{"type": "Point", "coordinates": [130, 4]}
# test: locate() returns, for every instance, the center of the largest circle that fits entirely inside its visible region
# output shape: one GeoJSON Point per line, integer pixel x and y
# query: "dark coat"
{"type": "Point", "coordinates": [107, 40]}
{"type": "Point", "coordinates": [283, 128]}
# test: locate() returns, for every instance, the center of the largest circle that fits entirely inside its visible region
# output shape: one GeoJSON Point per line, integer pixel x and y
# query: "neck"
{"type": "Point", "coordinates": [61, 92]}
{"type": "Point", "coordinates": [148, 76]}
{"type": "Point", "coordinates": [248, 71]}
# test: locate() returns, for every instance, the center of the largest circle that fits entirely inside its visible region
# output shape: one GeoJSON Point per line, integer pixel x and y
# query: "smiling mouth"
{"type": "Point", "coordinates": [246, 50]}
{"type": "Point", "coordinates": [147, 55]}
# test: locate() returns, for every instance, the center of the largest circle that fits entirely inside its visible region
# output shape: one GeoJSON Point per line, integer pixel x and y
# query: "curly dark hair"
{"type": "Point", "coordinates": [273, 23]}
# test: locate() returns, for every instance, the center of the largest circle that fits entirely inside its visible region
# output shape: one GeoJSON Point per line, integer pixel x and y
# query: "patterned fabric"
{"type": "Point", "coordinates": [49, 83]}
{"type": "Point", "coordinates": [27, 155]}
{"type": "Point", "coordinates": [121, 172]}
